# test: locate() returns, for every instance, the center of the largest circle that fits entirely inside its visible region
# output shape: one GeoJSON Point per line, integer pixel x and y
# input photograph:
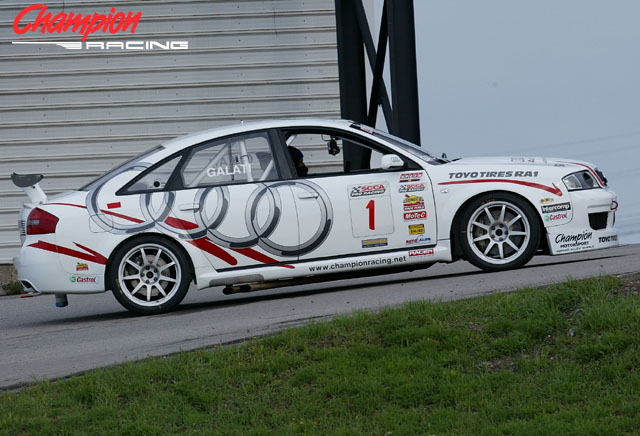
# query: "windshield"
{"type": "Point", "coordinates": [139, 157]}
{"type": "Point", "coordinates": [405, 145]}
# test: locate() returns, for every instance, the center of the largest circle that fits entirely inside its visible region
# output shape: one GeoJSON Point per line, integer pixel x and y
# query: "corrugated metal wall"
{"type": "Point", "coordinates": [74, 114]}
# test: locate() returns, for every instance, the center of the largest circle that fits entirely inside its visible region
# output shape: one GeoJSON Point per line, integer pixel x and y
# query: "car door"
{"type": "Point", "coordinates": [230, 203]}
{"type": "Point", "coordinates": [368, 209]}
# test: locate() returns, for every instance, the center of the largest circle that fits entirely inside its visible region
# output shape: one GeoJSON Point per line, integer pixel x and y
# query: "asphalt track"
{"type": "Point", "coordinates": [38, 340]}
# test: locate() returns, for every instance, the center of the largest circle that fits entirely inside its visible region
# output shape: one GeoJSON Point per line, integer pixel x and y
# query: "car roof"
{"type": "Point", "coordinates": [233, 129]}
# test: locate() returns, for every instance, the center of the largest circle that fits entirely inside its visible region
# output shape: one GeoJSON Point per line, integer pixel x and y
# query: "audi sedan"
{"type": "Point", "coordinates": [275, 203]}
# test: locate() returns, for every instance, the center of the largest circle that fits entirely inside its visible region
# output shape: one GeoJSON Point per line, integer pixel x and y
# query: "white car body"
{"type": "Point", "coordinates": [293, 228]}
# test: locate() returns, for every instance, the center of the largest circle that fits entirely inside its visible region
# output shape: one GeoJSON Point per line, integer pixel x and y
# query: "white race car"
{"type": "Point", "coordinates": [237, 207]}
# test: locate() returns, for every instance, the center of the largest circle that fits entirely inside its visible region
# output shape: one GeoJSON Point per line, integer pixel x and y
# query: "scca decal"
{"type": "Point", "coordinates": [363, 190]}
{"type": "Point", "coordinates": [412, 187]}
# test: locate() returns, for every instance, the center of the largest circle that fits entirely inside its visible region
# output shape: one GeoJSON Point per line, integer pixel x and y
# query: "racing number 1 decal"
{"type": "Point", "coordinates": [372, 214]}
{"type": "Point", "coordinates": [370, 209]}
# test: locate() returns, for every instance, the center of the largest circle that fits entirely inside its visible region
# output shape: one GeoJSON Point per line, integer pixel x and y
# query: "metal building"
{"type": "Point", "coordinates": [73, 114]}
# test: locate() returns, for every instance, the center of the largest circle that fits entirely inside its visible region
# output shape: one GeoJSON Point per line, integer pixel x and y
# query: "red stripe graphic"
{"type": "Point", "coordinates": [249, 252]}
{"type": "Point", "coordinates": [180, 224]}
{"type": "Point", "coordinates": [205, 244]}
{"type": "Point", "coordinates": [555, 190]}
{"type": "Point", "coordinates": [113, 205]}
{"type": "Point", "coordinates": [93, 257]}
{"type": "Point", "coordinates": [124, 217]}
{"type": "Point", "coordinates": [67, 204]}
{"type": "Point", "coordinates": [108, 212]}
{"type": "Point", "coordinates": [256, 255]}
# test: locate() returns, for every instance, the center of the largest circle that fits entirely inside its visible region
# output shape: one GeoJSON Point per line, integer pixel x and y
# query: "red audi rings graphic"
{"type": "Point", "coordinates": [208, 224]}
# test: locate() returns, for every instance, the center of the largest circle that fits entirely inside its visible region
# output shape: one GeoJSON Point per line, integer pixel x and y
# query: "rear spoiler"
{"type": "Point", "coordinates": [29, 184]}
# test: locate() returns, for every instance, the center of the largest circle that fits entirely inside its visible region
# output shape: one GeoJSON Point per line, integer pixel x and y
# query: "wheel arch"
{"type": "Point", "coordinates": [164, 237]}
{"type": "Point", "coordinates": [456, 248]}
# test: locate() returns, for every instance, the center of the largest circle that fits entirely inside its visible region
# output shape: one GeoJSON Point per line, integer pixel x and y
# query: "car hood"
{"type": "Point", "coordinates": [522, 160]}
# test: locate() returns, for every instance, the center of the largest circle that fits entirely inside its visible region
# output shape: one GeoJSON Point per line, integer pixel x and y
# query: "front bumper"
{"type": "Point", "coordinates": [592, 224]}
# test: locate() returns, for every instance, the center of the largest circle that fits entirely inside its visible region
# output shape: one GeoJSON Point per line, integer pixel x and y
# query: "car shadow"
{"type": "Point", "coordinates": [250, 298]}
{"type": "Point", "coordinates": [242, 299]}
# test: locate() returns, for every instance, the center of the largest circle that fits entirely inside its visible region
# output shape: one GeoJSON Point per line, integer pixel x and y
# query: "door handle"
{"type": "Point", "coordinates": [189, 207]}
{"type": "Point", "coordinates": [304, 195]}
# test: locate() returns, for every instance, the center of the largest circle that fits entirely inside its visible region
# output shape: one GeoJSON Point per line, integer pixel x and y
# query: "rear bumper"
{"type": "Point", "coordinates": [43, 273]}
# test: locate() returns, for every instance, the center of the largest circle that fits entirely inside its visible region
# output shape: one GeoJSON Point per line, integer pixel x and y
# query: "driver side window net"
{"type": "Point", "coordinates": [331, 154]}
{"type": "Point", "coordinates": [237, 159]}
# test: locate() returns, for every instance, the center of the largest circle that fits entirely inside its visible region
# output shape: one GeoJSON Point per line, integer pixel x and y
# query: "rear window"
{"type": "Point", "coordinates": [100, 180]}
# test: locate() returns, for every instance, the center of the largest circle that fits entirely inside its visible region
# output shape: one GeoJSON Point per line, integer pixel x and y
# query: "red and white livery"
{"type": "Point", "coordinates": [230, 207]}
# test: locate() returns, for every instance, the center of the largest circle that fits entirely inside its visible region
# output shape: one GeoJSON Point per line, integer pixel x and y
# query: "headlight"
{"type": "Point", "coordinates": [580, 180]}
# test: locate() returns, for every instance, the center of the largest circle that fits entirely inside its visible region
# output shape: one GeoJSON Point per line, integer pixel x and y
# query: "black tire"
{"type": "Point", "coordinates": [162, 267]}
{"type": "Point", "coordinates": [506, 240]}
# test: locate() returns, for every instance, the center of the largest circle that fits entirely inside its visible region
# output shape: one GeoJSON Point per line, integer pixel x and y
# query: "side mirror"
{"type": "Point", "coordinates": [390, 161]}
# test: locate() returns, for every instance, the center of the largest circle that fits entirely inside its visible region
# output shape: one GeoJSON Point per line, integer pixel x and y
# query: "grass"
{"type": "Point", "coordinates": [561, 360]}
{"type": "Point", "coordinates": [14, 287]}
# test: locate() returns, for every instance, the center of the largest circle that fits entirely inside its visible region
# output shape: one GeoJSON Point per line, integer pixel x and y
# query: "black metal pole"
{"type": "Point", "coordinates": [353, 94]}
{"type": "Point", "coordinates": [403, 66]}
{"type": "Point", "coordinates": [378, 90]}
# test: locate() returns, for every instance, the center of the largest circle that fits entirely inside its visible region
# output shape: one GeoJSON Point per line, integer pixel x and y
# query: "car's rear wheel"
{"type": "Point", "coordinates": [499, 232]}
{"type": "Point", "coordinates": [149, 275]}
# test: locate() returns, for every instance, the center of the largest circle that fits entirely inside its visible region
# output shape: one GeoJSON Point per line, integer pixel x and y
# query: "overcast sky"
{"type": "Point", "coordinates": [546, 78]}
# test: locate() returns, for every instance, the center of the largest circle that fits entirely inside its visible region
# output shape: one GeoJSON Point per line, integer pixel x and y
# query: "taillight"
{"type": "Point", "coordinates": [41, 222]}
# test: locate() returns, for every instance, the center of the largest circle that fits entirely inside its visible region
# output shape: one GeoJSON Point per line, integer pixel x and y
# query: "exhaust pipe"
{"type": "Point", "coordinates": [61, 300]}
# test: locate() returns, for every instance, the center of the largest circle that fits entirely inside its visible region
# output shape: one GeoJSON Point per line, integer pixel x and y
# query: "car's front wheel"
{"type": "Point", "coordinates": [499, 232]}
{"type": "Point", "coordinates": [149, 275]}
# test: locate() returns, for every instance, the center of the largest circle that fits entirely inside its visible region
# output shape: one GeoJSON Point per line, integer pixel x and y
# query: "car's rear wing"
{"type": "Point", "coordinates": [29, 184]}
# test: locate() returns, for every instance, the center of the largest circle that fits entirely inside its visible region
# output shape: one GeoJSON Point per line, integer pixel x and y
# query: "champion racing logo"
{"type": "Point", "coordinates": [37, 18]}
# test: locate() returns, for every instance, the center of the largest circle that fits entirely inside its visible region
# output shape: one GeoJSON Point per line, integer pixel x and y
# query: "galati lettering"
{"type": "Point", "coordinates": [490, 174]}
{"type": "Point", "coordinates": [113, 22]}
{"type": "Point", "coordinates": [226, 170]}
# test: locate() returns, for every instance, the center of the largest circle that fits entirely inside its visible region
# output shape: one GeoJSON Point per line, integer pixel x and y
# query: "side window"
{"type": "Point", "coordinates": [329, 153]}
{"type": "Point", "coordinates": [237, 159]}
{"type": "Point", "coordinates": [157, 178]}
